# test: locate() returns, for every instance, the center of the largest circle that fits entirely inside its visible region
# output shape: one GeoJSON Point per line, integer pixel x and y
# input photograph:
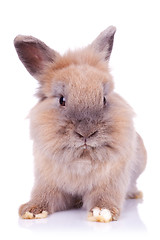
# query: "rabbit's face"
{"type": "Point", "coordinates": [74, 111]}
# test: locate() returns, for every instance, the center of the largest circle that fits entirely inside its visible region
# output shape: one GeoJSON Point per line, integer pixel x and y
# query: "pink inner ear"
{"type": "Point", "coordinates": [35, 54]}
{"type": "Point", "coordinates": [32, 57]}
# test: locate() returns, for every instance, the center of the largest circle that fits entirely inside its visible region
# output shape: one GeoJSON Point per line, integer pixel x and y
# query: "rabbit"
{"type": "Point", "coordinates": [86, 149]}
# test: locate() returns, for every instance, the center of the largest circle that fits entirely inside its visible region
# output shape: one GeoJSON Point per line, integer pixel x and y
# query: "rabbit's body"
{"type": "Point", "coordinates": [85, 145]}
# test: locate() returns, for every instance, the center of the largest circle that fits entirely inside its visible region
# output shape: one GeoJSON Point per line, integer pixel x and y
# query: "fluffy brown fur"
{"type": "Point", "coordinates": [86, 150]}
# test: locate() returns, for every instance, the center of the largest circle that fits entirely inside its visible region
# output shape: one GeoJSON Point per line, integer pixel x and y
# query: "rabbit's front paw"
{"type": "Point", "coordinates": [29, 211]}
{"type": "Point", "coordinates": [103, 214]}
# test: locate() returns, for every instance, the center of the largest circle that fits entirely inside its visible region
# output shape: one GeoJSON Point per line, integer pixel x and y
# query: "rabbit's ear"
{"type": "Point", "coordinates": [104, 42]}
{"type": "Point", "coordinates": [34, 54]}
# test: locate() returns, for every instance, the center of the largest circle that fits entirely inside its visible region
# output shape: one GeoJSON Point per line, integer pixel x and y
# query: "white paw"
{"type": "Point", "coordinates": [29, 215]}
{"type": "Point", "coordinates": [100, 215]}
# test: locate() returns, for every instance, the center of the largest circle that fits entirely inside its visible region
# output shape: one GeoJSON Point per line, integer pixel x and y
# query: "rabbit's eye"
{"type": "Point", "coordinates": [62, 101]}
{"type": "Point", "coordinates": [104, 101]}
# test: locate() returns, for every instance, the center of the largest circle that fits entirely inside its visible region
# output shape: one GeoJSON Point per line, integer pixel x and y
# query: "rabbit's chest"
{"type": "Point", "coordinates": [81, 176]}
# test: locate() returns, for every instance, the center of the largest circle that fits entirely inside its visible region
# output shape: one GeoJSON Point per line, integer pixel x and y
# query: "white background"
{"type": "Point", "coordinates": [135, 64]}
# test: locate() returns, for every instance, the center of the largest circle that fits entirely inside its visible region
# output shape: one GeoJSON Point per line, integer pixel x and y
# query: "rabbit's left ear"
{"type": "Point", "coordinates": [104, 42]}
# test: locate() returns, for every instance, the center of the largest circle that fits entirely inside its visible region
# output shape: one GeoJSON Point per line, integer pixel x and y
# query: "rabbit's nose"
{"type": "Point", "coordinates": [86, 135]}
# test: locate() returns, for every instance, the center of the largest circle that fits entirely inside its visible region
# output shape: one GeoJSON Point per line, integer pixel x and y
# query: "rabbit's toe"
{"type": "Point", "coordinates": [100, 215]}
{"type": "Point", "coordinates": [29, 215]}
{"type": "Point", "coordinates": [135, 195]}
{"type": "Point", "coordinates": [29, 211]}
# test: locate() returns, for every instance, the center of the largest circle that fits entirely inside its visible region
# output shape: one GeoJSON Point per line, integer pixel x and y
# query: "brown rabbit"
{"type": "Point", "coordinates": [85, 146]}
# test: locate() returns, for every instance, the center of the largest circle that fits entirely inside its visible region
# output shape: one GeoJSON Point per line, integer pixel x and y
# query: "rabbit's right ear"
{"type": "Point", "coordinates": [34, 54]}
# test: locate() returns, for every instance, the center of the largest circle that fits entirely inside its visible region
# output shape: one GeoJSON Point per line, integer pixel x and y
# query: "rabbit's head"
{"type": "Point", "coordinates": [76, 114]}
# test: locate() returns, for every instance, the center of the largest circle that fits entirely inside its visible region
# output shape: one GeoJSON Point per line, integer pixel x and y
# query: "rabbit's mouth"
{"type": "Point", "coordinates": [84, 146]}
{"type": "Point", "coordinates": [87, 146]}
{"type": "Point", "coordinates": [85, 149]}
